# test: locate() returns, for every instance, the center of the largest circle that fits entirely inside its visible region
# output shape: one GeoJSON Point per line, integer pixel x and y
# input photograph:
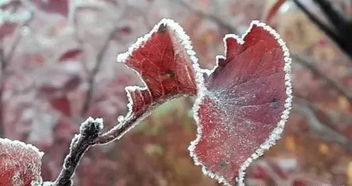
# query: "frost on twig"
{"type": "Point", "coordinates": [89, 131]}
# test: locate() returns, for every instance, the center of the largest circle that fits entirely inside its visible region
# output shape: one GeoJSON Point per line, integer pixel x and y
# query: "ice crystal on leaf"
{"type": "Point", "coordinates": [245, 104]}
{"type": "Point", "coordinates": [20, 163]}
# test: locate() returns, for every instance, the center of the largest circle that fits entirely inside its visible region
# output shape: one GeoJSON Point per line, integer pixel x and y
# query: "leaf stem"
{"type": "Point", "coordinates": [119, 130]}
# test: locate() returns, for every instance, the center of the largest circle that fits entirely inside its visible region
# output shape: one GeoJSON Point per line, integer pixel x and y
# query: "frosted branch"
{"type": "Point", "coordinates": [89, 131]}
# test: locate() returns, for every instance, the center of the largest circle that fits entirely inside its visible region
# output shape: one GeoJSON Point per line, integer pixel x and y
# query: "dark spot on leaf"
{"type": "Point", "coordinates": [274, 103]}
{"type": "Point", "coordinates": [162, 27]}
{"type": "Point", "coordinates": [170, 74]}
{"type": "Point", "coordinates": [223, 164]}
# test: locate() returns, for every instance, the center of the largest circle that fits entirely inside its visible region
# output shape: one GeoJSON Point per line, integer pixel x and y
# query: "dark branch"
{"type": "Point", "coordinates": [4, 62]}
{"type": "Point", "coordinates": [336, 18]}
{"type": "Point", "coordinates": [98, 60]}
{"type": "Point", "coordinates": [96, 68]}
{"type": "Point", "coordinates": [17, 41]}
{"type": "Point", "coordinates": [89, 131]}
{"type": "Point", "coordinates": [324, 130]}
{"type": "Point", "coordinates": [328, 31]}
{"type": "Point", "coordinates": [339, 35]}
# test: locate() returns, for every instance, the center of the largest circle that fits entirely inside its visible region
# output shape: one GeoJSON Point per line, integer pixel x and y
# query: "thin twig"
{"type": "Point", "coordinates": [96, 68]}
{"type": "Point", "coordinates": [99, 61]}
{"type": "Point", "coordinates": [4, 62]}
{"type": "Point", "coordinates": [324, 130]}
{"type": "Point", "coordinates": [17, 41]}
{"type": "Point", "coordinates": [308, 63]}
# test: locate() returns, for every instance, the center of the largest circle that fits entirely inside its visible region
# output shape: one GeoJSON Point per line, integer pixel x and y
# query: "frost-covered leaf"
{"type": "Point", "coordinates": [165, 62]}
{"type": "Point", "coordinates": [244, 105]}
{"type": "Point", "coordinates": [20, 163]}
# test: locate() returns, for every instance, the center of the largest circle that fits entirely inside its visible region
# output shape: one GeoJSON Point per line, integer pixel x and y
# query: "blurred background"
{"type": "Point", "coordinates": [58, 67]}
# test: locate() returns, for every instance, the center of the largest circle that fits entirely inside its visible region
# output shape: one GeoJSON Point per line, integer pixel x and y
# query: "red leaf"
{"type": "Point", "coordinates": [19, 163]}
{"type": "Point", "coordinates": [165, 62]}
{"type": "Point", "coordinates": [274, 10]}
{"type": "Point", "coordinates": [244, 105]}
{"type": "Point", "coordinates": [61, 104]}
{"type": "Point", "coordinates": [70, 54]}
{"type": "Point", "coordinates": [7, 29]}
{"type": "Point", "coordinates": [54, 6]}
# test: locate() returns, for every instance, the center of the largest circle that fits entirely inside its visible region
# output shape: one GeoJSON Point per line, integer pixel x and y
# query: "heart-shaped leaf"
{"type": "Point", "coordinates": [165, 61]}
{"type": "Point", "coordinates": [20, 163]}
{"type": "Point", "coordinates": [244, 105]}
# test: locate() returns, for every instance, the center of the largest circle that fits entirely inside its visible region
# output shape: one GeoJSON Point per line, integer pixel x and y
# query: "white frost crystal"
{"type": "Point", "coordinates": [89, 121]}
{"type": "Point", "coordinates": [21, 161]}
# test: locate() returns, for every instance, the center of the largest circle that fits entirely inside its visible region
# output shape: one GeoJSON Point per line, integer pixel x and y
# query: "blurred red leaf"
{"type": "Point", "coordinates": [70, 54]}
{"type": "Point", "coordinates": [53, 6]}
{"type": "Point", "coordinates": [245, 105]}
{"type": "Point", "coordinates": [122, 32]}
{"type": "Point", "coordinates": [125, 30]}
{"type": "Point", "coordinates": [164, 61]}
{"type": "Point", "coordinates": [7, 29]}
{"type": "Point", "coordinates": [273, 10]}
{"type": "Point", "coordinates": [60, 81]}
{"type": "Point", "coordinates": [19, 163]}
{"type": "Point", "coordinates": [72, 83]}
{"type": "Point", "coordinates": [61, 104]}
